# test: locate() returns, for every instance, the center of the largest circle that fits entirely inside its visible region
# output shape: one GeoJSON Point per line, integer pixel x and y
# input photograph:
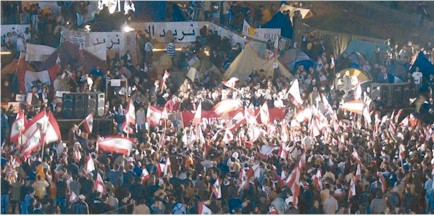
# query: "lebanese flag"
{"type": "Point", "coordinates": [237, 120]}
{"type": "Point", "coordinates": [216, 189]}
{"type": "Point", "coordinates": [304, 115]}
{"type": "Point", "coordinates": [99, 184]}
{"type": "Point", "coordinates": [264, 114]}
{"type": "Point", "coordinates": [41, 129]}
{"type": "Point", "coordinates": [165, 76]}
{"type": "Point", "coordinates": [404, 122]}
{"type": "Point", "coordinates": [231, 82]}
{"type": "Point", "coordinates": [153, 115]}
{"type": "Point", "coordinates": [326, 103]}
{"type": "Point", "coordinates": [89, 166]}
{"type": "Point", "coordinates": [228, 136]}
{"type": "Point", "coordinates": [358, 173]}
{"type": "Point", "coordinates": [295, 92]}
{"type": "Point", "coordinates": [398, 115]}
{"type": "Point", "coordinates": [198, 115]}
{"type": "Point", "coordinates": [293, 182]}
{"type": "Point", "coordinates": [226, 106]}
{"type": "Point", "coordinates": [283, 151]}
{"type": "Point", "coordinates": [401, 152]}
{"type": "Point", "coordinates": [164, 114]}
{"type": "Point", "coordinates": [250, 116]}
{"type": "Point", "coordinates": [355, 156]}
{"type": "Point", "coordinates": [352, 191]}
{"type": "Point", "coordinates": [88, 123]}
{"type": "Point", "coordinates": [32, 144]}
{"type": "Point", "coordinates": [163, 167]}
{"type": "Point", "coordinates": [203, 209]}
{"type": "Point", "coordinates": [130, 118]}
{"type": "Point", "coordinates": [317, 180]}
{"type": "Point", "coordinates": [383, 181]}
{"type": "Point", "coordinates": [18, 127]}
{"type": "Point", "coordinates": [413, 121]}
{"type": "Point", "coordinates": [244, 179]}
{"type": "Point", "coordinates": [145, 175]}
{"type": "Point", "coordinates": [118, 144]}
{"type": "Point", "coordinates": [315, 128]}
{"type": "Point", "coordinates": [366, 114]}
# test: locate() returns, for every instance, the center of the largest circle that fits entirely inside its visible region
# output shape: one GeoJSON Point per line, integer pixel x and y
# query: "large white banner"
{"type": "Point", "coordinates": [99, 51]}
{"type": "Point", "coordinates": [185, 32]}
{"type": "Point", "coordinates": [30, 77]}
{"type": "Point", "coordinates": [19, 29]}
{"type": "Point", "coordinates": [262, 34]}
{"type": "Point", "coordinates": [182, 32]}
{"type": "Point", "coordinates": [112, 40]}
{"type": "Point", "coordinates": [35, 52]}
{"type": "Point", "coordinates": [75, 37]}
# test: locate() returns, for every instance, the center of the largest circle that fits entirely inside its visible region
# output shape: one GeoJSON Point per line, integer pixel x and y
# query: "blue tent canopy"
{"type": "Point", "coordinates": [281, 21]}
{"type": "Point", "coordinates": [424, 65]}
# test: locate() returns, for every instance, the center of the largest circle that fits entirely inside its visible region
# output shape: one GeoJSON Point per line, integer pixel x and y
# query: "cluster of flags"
{"type": "Point", "coordinates": [31, 135]}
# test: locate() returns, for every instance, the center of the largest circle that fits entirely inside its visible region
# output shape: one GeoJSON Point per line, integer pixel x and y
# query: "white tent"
{"type": "Point", "coordinates": [249, 60]}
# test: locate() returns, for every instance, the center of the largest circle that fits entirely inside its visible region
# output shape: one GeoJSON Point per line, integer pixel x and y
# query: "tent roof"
{"type": "Point", "coordinates": [357, 58]}
{"type": "Point", "coordinates": [13, 66]}
{"type": "Point", "coordinates": [248, 60]}
{"type": "Point", "coordinates": [69, 53]}
{"type": "Point", "coordinates": [279, 20]}
{"type": "Point", "coordinates": [366, 48]}
{"type": "Point", "coordinates": [292, 56]}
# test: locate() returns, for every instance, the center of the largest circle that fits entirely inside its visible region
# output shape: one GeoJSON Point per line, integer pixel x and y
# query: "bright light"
{"type": "Point", "coordinates": [5, 53]}
{"type": "Point", "coordinates": [126, 28]}
{"type": "Point", "coordinates": [87, 28]}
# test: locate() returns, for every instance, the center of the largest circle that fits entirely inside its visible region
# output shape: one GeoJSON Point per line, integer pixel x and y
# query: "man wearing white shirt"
{"type": "Point", "coordinates": [417, 77]}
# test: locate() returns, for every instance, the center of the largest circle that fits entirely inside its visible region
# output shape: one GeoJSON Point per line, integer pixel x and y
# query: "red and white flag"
{"type": "Point", "coordinates": [398, 115]}
{"type": "Point", "coordinates": [216, 189]}
{"type": "Point", "coordinates": [90, 166]}
{"type": "Point", "coordinates": [231, 82]}
{"type": "Point", "coordinates": [304, 115]}
{"type": "Point", "coordinates": [145, 175]}
{"type": "Point", "coordinates": [355, 156]}
{"type": "Point", "coordinates": [153, 115]}
{"type": "Point", "coordinates": [130, 118]}
{"type": "Point", "coordinates": [44, 125]}
{"type": "Point", "coordinates": [401, 152]}
{"type": "Point", "coordinates": [250, 116]}
{"type": "Point", "coordinates": [120, 145]}
{"type": "Point", "coordinates": [198, 115]}
{"type": "Point", "coordinates": [358, 173]}
{"type": "Point", "coordinates": [88, 123]}
{"type": "Point", "coordinates": [264, 114]}
{"type": "Point", "coordinates": [283, 150]}
{"type": "Point", "coordinates": [293, 183]}
{"type": "Point", "coordinates": [237, 120]}
{"type": "Point", "coordinates": [352, 191]}
{"type": "Point", "coordinates": [166, 75]}
{"type": "Point", "coordinates": [404, 122]}
{"type": "Point", "coordinates": [228, 136]}
{"type": "Point", "coordinates": [99, 184]}
{"type": "Point", "coordinates": [203, 209]}
{"type": "Point", "coordinates": [32, 144]}
{"type": "Point", "coordinates": [164, 114]}
{"type": "Point", "coordinates": [163, 168]}
{"type": "Point", "coordinates": [226, 106]}
{"type": "Point", "coordinates": [18, 127]}
{"type": "Point", "coordinates": [317, 180]}
{"type": "Point", "coordinates": [295, 92]}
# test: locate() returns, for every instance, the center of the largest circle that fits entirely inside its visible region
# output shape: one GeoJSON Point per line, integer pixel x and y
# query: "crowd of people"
{"type": "Point", "coordinates": [318, 172]}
